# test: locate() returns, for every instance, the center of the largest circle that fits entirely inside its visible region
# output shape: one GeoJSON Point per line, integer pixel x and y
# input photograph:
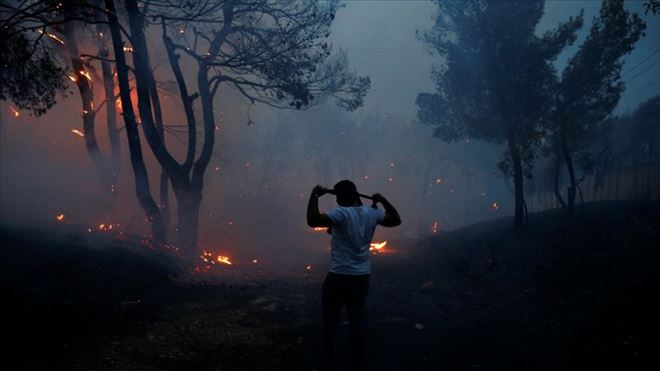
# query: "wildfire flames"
{"type": "Point", "coordinates": [377, 246]}
{"type": "Point", "coordinates": [52, 36]}
{"type": "Point", "coordinates": [60, 217]}
{"type": "Point", "coordinates": [14, 111]}
{"type": "Point", "coordinates": [86, 74]}
{"type": "Point", "coordinates": [211, 258]}
{"type": "Point", "coordinates": [78, 132]}
{"type": "Point", "coordinates": [319, 229]}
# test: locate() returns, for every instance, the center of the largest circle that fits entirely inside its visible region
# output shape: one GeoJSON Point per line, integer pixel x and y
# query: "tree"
{"type": "Point", "coordinates": [590, 88]}
{"type": "Point", "coordinates": [273, 53]}
{"type": "Point", "coordinates": [494, 78]}
{"type": "Point", "coordinates": [29, 76]}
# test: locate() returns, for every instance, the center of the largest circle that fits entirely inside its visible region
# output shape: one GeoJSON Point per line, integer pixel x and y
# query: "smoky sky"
{"type": "Point", "coordinates": [257, 184]}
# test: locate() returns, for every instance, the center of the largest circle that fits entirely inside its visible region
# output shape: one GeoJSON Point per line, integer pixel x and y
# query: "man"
{"type": "Point", "coordinates": [347, 282]}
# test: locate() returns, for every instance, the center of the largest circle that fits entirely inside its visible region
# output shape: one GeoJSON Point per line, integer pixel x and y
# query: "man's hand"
{"type": "Point", "coordinates": [319, 190]}
{"type": "Point", "coordinates": [377, 197]}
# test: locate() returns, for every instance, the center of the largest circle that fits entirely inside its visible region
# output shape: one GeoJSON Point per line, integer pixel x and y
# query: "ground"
{"type": "Point", "coordinates": [565, 293]}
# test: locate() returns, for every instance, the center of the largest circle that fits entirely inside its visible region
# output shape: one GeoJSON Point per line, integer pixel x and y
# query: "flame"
{"type": "Point", "coordinates": [223, 259]}
{"type": "Point", "coordinates": [438, 181]}
{"type": "Point", "coordinates": [319, 229]}
{"type": "Point", "coordinates": [308, 267]}
{"type": "Point", "coordinates": [255, 261]}
{"type": "Point", "coordinates": [377, 246]}
{"type": "Point", "coordinates": [128, 49]}
{"type": "Point", "coordinates": [86, 75]}
{"type": "Point", "coordinates": [434, 227]}
{"type": "Point", "coordinates": [78, 132]}
{"type": "Point", "coordinates": [72, 78]}
{"type": "Point", "coordinates": [53, 36]}
{"type": "Point", "coordinates": [60, 217]}
{"type": "Point", "coordinates": [494, 206]}
{"type": "Point", "coordinates": [208, 257]}
{"type": "Point", "coordinates": [14, 111]}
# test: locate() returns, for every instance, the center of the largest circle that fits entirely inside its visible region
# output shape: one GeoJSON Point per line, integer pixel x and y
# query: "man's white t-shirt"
{"type": "Point", "coordinates": [352, 230]}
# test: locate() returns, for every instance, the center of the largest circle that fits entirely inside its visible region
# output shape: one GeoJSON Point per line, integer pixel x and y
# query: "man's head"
{"type": "Point", "coordinates": [347, 194]}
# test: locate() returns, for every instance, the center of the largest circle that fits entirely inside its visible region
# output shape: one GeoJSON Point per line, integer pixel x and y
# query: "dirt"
{"type": "Point", "coordinates": [565, 293]}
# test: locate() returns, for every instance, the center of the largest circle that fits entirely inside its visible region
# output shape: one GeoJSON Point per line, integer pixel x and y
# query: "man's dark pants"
{"type": "Point", "coordinates": [351, 291]}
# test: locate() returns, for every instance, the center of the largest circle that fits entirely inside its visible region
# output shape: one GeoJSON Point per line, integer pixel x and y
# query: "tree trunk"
{"type": "Point", "coordinates": [164, 181]}
{"type": "Point", "coordinates": [111, 114]}
{"type": "Point", "coordinates": [514, 151]}
{"type": "Point", "coordinates": [137, 161]}
{"type": "Point", "coordinates": [88, 112]}
{"type": "Point", "coordinates": [188, 203]}
{"type": "Point", "coordinates": [556, 180]}
{"type": "Point", "coordinates": [571, 173]}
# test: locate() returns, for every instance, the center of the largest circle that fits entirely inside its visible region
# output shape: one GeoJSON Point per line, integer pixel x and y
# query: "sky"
{"type": "Point", "coordinates": [46, 171]}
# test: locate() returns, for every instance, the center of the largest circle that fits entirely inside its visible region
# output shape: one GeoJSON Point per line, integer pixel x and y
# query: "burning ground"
{"type": "Point", "coordinates": [560, 295]}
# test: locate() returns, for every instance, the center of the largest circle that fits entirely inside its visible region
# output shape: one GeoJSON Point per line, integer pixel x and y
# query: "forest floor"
{"type": "Point", "coordinates": [566, 293]}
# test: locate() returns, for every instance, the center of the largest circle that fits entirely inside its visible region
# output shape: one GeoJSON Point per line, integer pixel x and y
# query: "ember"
{"type": "Point", "coordinates": [494, 206]}
{"type": "Point", "coordinates": [434, 227]}
{"type": "Point", "coordinates": [60, 217]}
{"type": "Point", "coordinates": [78, 132]}
{"type": "Point", "coordinates": [14, 111]}
{"type": "Point", "coordinates": [377, 247]}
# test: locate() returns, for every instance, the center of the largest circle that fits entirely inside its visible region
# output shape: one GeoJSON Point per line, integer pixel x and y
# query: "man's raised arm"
{"type": "Point", "coordinates": [314, 217]}
{"type": "Point", "coordinates": [392, 218]}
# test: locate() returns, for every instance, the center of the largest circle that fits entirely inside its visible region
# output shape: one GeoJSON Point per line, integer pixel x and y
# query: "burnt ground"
{"type": "Point", "coordinates": [566, 293]}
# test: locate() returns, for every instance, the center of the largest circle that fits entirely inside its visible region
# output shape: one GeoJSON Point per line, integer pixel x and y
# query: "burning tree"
{"type": "Point", "coordinates": [495, 79]}
{"type": "Point", "coordinates": [272, 52]}
{"type": "Point", "coordinates": [590, 88]}
{"type": "Point", "coordinates": [29, 75]}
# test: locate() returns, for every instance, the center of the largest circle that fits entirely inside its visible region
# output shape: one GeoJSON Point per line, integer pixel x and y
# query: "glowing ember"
{"type": "Point", "coordinates": [377, 246]}
{"type": "Point", "coordinates": [438, 181]}
{"type": "Point", "coordinates": [494, 206]}
{"type": "Point", "coordinates": [434, 227]}
{"type": "Point", "coordinates": [14, 111]}
{"type": "Point", "coordinates": [72, 78]}
{"type": "Point", "coordinates": [128, 49]}
{"type": "Point", "coordinates": [60, 217]}
{"type": "Point", "coordinates": [86, 75]}
{"type": "Point", "coordinates": [319, 229]}
{"type": "Point", "coordinates": [224, 260]}
{"type": "Point", "coordinates": [78, 132]}
{"type": "Point", "coordinates": [309, 267]}
{"type": "Point", "coordinates": [53, 36]}
{"type": "Point", "coordinates": [255, 261]}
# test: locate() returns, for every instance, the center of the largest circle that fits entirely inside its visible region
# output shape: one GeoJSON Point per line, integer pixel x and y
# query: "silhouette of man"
{"type": "Point", "coordinates": [347, 282]}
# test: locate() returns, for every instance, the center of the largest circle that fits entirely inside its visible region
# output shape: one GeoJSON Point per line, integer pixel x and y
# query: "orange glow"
{"type": "Point", "coordinates": [53, 36]}
{"type": "Point", "coordinates": [319, 229]}
{"type": "Point", "coordinates": [60, 217]}
{"type": "Point", "coordinates": [78, 132]}
{"type": "Point", "coordinates": [128, 49]}
{"type": "Point", "coordinates": [377, 246]}
{"type": "Point", "coordinates": [309, 267]}
{"type": "Point", "coordinates": [86, 75]}
{"type": "Point", "coordinates": [72, 78]}
{"type": "Point", "coordinates": [14, 111]}
{"type": "Point", "coordinates": [223, 260]}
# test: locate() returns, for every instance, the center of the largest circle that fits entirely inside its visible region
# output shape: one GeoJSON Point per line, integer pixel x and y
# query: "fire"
{"type": "Point", "coordinates": [14, 111]}
{"type": "Point", "coordinates": [128, 49]}
{"type": "Point", "coordinates": [60, 217]}
{"type": "Point", "coordinates": [494, 206]}
{"type": "Point", "coordinates": [434, 227]}
{"type": "Point", "coordinates": [208, 257]}
{"type": "Point", "coordinates": [72, 78]}
{"type": "Point", "coordinates": [53, 36]}
{"type": "Point", "coordinates": [319, 229]}
{"type": "Point", "coordinates": [438, 181]}
{"type": "Point", "coordinates": [377, 246]}
{"type": "Point", "coordinates": [255, 261]}
{"type": "Point", "coordinates": [309, 267]}
{"type": "Point", "coordinates": [78, 132]}
{"type": "Point", "coordinates": [86, 75]}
